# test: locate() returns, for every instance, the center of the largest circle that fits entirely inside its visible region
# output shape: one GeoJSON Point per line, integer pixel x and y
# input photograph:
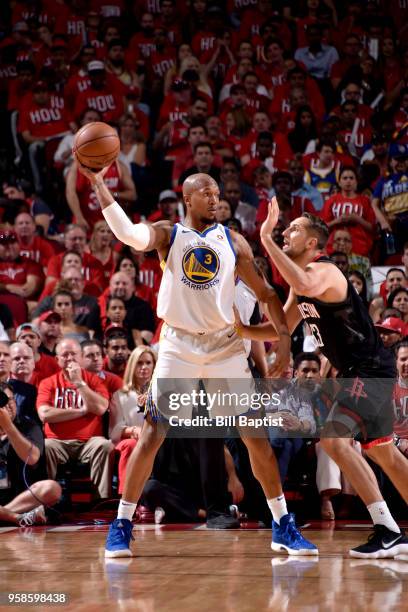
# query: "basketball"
{"type": "Point", "coordinates": [96, 145]}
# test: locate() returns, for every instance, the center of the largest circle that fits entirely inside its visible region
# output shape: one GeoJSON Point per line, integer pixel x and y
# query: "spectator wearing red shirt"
{"type": "Point", "coordinates": [49, 326]}
{"type": "Point", "coordinates": [41, 118]}
{"type": "Point", "coordinates": [401, 116]}
{"type": "Point", "coordinates": [353, 92]}
{"type": "Point", "coordinates": [100, 246]}
{"type": "Point", "coordinates": [273, 63]}
{"type": "Point", "coordinates": [255, 101]}
{"type": "Point", "coordinates": [71, 22]}
{"type": "Point", "coordinates": [117, 351]}
{"type": "Point", "coordinates": [142, 44]}
{"type": "Point", "coordinates": [18, 275]}
{"type": "Point", "coordinates": [351, 210]}
{"type": "Point", "coordinates": [101, 95]}
{"type": "Point", "coordinates": [75, 240]}
{"type": "Point", "coordinates": [44, 365]}
{"type": "Point", "coordinates": [356, 137]}
{"type": "Point", "coordinates": [92, 361]}
{"type": "Point", "coordinates": [32, 246]}
{"type": "Point", "coordinates": [81, 197]}
{"type": "Point", "coordinates": [168, 208]}
{"type": "Point", "coordinates": [269, 153]}
{"type": "Point", "coordinates": [176, 103]}
{"type": "Point", "coordinates": [297, 77]}
{"type": "Point", "coordinates": [203, 162]}
{"type": "Point", "coordinates": [21, 86]}
{"type": "Point", "coordinates": [197, 132]}
{"type": "Point", "coordinates": [163, 58]}
{"type": "Point", "coordinates": [350, 58]}
{"type": "Point", "coordinates": [71, 404]}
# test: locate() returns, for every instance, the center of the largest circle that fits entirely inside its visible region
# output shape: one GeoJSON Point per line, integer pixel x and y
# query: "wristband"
{"type": "Point", "coordinates": [81, 384]}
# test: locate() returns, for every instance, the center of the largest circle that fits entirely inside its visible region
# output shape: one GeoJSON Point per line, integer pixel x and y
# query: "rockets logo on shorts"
{"type": "Point", "coordinates": [201, 265]}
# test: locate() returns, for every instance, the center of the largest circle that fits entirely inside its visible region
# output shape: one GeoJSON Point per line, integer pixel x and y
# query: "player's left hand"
{"type": "Point", "coordinates": [236, 489]}
{"type": "Point", "coordinates": [282, 358]}
{"type": "Point", "coordinates": [271, 220]}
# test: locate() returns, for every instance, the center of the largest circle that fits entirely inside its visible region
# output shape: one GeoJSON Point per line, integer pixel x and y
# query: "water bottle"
{"type": "Point", "coordinates": [390, 243]}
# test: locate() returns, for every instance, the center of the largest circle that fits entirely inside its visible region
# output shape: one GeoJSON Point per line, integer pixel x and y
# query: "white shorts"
{"type": "Point", "coordinates": [217, 359]}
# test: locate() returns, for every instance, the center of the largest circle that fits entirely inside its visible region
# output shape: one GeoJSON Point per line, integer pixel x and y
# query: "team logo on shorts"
{"type": "Point", "coordinates": [201, 265]}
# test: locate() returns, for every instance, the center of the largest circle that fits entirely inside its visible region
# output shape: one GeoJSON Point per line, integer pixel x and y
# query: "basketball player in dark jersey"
{"type": "Point", "coordinates": [321, 295]}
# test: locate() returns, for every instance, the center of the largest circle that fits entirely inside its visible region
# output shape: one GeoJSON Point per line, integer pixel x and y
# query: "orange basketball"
{"type": "Point", "coordinates": [96, 145]}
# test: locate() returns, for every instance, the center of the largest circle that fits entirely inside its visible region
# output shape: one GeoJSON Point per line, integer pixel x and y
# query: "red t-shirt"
{"type": "Point", "coordinates": [46, 366]}
{"type": "Point", "coordinates": [161, 62]}
{"type": "Point", "coordinates": [337, 205]}
{"type": "Point", "coordinates": [92, 269]}
{"type": "Point", "coordinates": [43, 121]}
{"type": "Point", "coordinates": [119, 372]}
{"type": "Point", "coordinates": [40, 250]}
{"type": "Point", "coordinates": [172, 111]}
{"type": "Point", "coordinates": [112, 382]}
{"type": "Point", "coordinates": [58, 392]}
{"type": "Point", "coordinates": [16, 272]}
{"type": "Point", "coordinates": [107, 101]}
{"type": "Point", "coordinates": [88, 201]}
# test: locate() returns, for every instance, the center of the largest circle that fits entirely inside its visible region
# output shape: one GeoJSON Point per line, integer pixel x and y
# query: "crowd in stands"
{"type": "Point", "coordinates": [306, 100]}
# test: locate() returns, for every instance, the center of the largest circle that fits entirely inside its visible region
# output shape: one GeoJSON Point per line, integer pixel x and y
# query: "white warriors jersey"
{"type": "Point", "coordinates": [198, 286]}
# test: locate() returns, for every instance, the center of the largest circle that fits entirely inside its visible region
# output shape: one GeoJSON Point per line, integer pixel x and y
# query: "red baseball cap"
{"type": "Point", "coordinates": [392, 325]}
{"type": "Point", "coordinates": [48, 315]}
{"type": "Point", "coordinates": [113, 328]}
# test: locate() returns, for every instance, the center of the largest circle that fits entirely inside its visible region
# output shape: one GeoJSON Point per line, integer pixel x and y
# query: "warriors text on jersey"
{"type": "Point", "coordinates": [346, 334]}
{"type": "Point", "coordinates": [197, 289]}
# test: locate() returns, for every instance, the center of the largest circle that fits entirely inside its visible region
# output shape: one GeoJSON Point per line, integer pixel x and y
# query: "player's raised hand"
{"type": "Point", "coordinates": [93, 177]}
{"type": "Point", "coordinates": [271, 220]}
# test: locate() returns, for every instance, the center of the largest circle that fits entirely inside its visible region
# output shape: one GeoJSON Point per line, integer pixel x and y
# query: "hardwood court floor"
{"type": "Point", "coordinates": [190, 569]}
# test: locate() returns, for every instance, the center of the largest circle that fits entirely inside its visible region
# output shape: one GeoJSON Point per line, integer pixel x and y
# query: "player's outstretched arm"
{"type": "Point", "coordinates": [266, 331]}
{"type": "Point", "coordinates": [311, 282]}
{"type": "Point", "coordinates": [248, 272]}
{"type": "Point", "coordinates": [140, 236]}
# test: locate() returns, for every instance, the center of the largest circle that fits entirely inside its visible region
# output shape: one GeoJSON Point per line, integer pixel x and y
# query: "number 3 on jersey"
{"type": "Point", "coordinates": [316, 334]}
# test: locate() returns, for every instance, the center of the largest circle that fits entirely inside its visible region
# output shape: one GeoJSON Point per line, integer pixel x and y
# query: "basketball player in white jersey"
{"type": "Point", "coordinates": [199, 341]}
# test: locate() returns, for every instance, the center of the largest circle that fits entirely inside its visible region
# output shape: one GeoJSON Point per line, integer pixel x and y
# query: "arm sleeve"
{"type": "Point", "coordinates": [136, 235]}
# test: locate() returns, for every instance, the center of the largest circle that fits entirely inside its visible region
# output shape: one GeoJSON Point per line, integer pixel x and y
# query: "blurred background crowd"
{"type": "Point", "coordinates": [306, 100]}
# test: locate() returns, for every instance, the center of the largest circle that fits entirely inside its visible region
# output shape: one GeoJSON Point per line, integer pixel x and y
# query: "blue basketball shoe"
{"type": "Point", "coordinates": [286, 537]}
{"type": "Point", "coordinates": [118, 540]}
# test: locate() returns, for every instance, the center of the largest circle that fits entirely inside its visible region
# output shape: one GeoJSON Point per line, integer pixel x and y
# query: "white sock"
{"type": "Point", "coordinates": [381, 515]}
{"type": "Point", "coordinates": [126, 510]}
{"type": "Point", "coordinates": [277, 505]}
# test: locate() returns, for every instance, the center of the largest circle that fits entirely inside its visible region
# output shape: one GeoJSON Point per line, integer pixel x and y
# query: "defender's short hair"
{"type": "Point", "coordinates": [319, 228]}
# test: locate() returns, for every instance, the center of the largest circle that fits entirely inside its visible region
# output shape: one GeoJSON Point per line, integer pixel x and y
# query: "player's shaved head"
{"type": "Point", "coordinates": [195, 182]}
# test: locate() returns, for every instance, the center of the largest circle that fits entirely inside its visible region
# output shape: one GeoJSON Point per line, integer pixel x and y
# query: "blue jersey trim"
{"type": "Point", "coordinates": [172, 239]}
{"type": "Point", "coordinates": [228, 235]}
{"type": "Point", "coordinates": [205, 232]}
{"type": "Point", "coordinates": [173, 235]}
